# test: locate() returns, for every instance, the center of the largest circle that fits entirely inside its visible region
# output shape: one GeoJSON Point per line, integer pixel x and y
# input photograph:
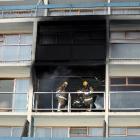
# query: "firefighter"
{"type": "Point", "coordinates": [61, 95]}
{"type": "Point", "coordinates": [87, 95]}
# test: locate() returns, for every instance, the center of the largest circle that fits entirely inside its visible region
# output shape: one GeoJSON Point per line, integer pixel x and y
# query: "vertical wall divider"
{"type": "Point", "coordinates": [30, 95]}
{"type": "Point", "coordinates": [109, 8]}
{"type": "Point", "coordinates": [107, 78]}
{"type": "Point", "coordinates": [46, 2]}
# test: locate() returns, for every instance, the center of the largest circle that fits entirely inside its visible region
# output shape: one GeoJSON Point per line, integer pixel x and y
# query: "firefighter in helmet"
{"type": "Point", "coordinates": [87, 95]}
{"type": "Point", "coordinates": [61, 95]}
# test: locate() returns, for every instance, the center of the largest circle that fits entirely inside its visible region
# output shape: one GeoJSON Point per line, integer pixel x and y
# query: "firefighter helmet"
{"type": "Point", "coordinates": [65, 83]}
{"type": "Point", "coordinates": [85, 83]}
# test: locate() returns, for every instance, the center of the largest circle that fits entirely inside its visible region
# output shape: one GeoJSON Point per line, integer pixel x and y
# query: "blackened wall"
{"type": "Point", "coordinates": [74, 39]}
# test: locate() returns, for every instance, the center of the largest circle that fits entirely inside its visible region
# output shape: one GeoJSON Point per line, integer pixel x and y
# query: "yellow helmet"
{"type": "Point", "coordinates": [85, 83]}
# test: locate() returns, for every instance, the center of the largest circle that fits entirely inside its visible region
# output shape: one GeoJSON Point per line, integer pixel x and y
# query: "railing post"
{"type": "Point", "coordinates": [69, 101]}
{"type": "Point", "coordinates": [52, 102]}
{"type": "Point", "coordinates": [107, 79]}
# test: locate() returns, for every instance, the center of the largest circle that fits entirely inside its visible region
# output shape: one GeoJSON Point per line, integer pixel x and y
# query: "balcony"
{"type": "Point", "coordinates": [74, 102]}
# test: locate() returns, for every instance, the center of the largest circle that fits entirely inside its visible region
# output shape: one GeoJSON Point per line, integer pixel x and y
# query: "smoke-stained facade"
{"type": "Point", "coordinates": [72, 72]}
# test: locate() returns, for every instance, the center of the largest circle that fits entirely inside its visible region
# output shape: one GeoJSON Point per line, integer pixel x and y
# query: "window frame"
{"type": "Point", "coordinates": [18, 45]}
{"type": "Point", "coordinates": [14, 80]}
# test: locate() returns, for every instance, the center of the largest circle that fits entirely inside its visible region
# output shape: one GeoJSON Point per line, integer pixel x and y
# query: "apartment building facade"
{"type": "Point", "coordinates": [44, 43]}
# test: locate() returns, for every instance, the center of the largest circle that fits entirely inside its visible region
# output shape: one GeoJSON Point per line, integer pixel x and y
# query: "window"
{"type": "Point", "coordinates": [15, 47]}
{"type": "Point", "coordinates": [117, 35]}
{"type": "Point", "coordinates": [20, 95]}
{"type": "Point", "coordinates": [130, 131]}
{"type": "Point", "coordinates": [6, 94]}
{"type": "Point", "coordinates": [42, 132]}
{"type": "Point", "coordinates": [95, 132]}
{"type": "Point", "coordinates": [16, 131]}
{"type": "Point", "coordinates": [133, 131]}
{"type": "Point", "coordinates": [5, 131]}
{"type": "Point", "coordinates": [26, 39]}
{"type": "Point", "coordinates": [125, 93]}
{"type": "Point", "coordinates": [78, 132]}
{"type": "Point", "coordinates": [125, 51]}
{"type": "Point", "coordinates": [59, 132]}
{"type": "Point", "coordinates": [10, 131]}
{"type": "Point", "coordinates": [63, 132]}
{"type": "Point", "coordinates": [125, 83]}
{"type": "Point", "coordinates": [125, 35]}
{"type": "Point", "coordinates": [117, 131]}
{"type": "Point", "coordinates": [13, 94]}
{"type": "Point", "coordinates": [83, 132]}
{"type": "Point", "coordinates": [118, 81]}
{"type": "Point", "coordinates": [11, 39]}
{"type": "Point", "coordinates": [134, 80]}
{"type": "Point", "coordinates": [54, 132]}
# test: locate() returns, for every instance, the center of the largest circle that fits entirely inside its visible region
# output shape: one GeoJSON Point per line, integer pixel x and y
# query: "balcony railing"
{"type": "Point", "coordinates": [93, 8]}
{"type": "Point", "coordinates": [125, 100]}
{"type": "Point", "coordinates": [73, 102]}
{"type": "Point", "coordinates": [13, 102]}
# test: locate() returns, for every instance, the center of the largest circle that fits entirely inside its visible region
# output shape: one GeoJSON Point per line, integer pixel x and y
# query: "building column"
{"type": "Point", "coordinates": [46, 2]}
{"type": "Point", "coordinates": [109, 8]}
{"type": "Point", "coordinates": [30, 96]}
{"type": "Point", "coordinates": [107, 78]}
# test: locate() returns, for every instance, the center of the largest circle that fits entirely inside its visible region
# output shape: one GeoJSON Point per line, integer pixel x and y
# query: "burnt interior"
{"type": "Point", "coordinates": [69, 49]}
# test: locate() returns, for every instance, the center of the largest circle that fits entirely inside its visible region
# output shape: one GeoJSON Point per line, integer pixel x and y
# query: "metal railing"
{"type": "Point", "coordinates": [74, 102]}
{"type": "Point", "coordinates": [13, 102]}
{"type": "Point", "coordinates": [38, 10]}
{"type": "Point", "coordinates": [124, 100]}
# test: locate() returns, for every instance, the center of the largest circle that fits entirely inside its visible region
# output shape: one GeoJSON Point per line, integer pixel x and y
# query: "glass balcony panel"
{"type": "Point", "coordinates": [59, 132]}
{"type": "Point", "coordinates": [43, 102]}
{"type": "Point", "coordinates": [6, 101]}
{"type": "Point", "coordinates": [68, 101]}
{"type": "Point", "coordinates": [95, 131]}
{"type": "Point", "coordinates": [11, 39]}
{"type": "Point", "coordinates": [129, 51]}
{"type": "Point", "coordinates": [5, 131]}
{"type": "Point", "coordinates": [17, 131]}
{"type": "Point", "coordinates": [20, 97]}
{"type": "Point", "coordinates": [6, 85]}
{"type": "Point", "coordinates": [117, 131]}
{"type": "Point", "coordinates": [24, 53]}
{"type": "Point", "coordinates": [42, 132]}
{"type": "Point", "coordinates": [125, 100]}
{"type": "Point", "coordinates": [26, 39]}
{"type": "Point", "coordinates": [10, 53]}
{"type": "Point", "coordinates": [133, 131]}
